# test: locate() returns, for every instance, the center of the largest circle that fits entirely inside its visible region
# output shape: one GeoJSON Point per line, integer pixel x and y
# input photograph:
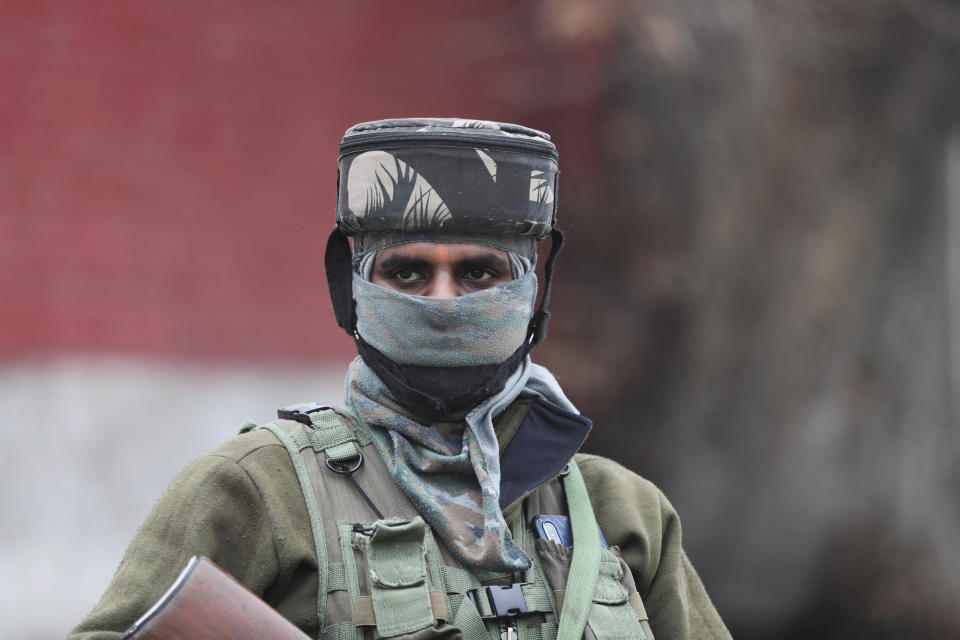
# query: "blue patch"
{"type": "Point", "coordinates": [544, 443]}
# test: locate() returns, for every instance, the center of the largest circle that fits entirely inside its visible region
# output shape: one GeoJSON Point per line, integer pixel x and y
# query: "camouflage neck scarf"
{"type": "Point", "coordinates": [445, 472]}
{"type": "Point", "coordinates": [451, 470]}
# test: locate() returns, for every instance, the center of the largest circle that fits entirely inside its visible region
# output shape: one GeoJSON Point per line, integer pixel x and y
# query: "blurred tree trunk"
{"type": "Point", "coordinates": [776, 338]}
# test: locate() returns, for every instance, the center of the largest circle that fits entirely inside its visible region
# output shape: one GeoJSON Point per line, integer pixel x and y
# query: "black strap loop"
{"type": "Point", "coordinates": [537, 330]}
{"type": "Point", "coordinates": [337, 261]}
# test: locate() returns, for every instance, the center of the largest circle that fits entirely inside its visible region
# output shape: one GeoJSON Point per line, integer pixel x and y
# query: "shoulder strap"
{"type": "Point", "coordinates": [585, 563]}
{"type": "Point", "coordinates": [331, 435]}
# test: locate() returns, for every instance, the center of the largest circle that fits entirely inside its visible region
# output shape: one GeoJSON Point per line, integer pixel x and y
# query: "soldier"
{"type": "Point", "coordinates": [444, 499]}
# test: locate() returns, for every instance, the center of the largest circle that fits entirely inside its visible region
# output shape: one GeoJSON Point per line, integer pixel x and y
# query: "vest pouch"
{"type": "Point", "coordinates": [393, 573]}
{"type": "Point", "coordinates": [397, 562]}
{"type": "Point", "coordinates": [617, 611]}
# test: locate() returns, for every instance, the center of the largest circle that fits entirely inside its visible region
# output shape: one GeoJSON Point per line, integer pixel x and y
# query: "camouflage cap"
{"type": "Point", "coordinates": [431, 174]}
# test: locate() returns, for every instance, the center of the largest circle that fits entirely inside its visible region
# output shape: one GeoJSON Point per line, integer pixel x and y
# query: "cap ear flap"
{"type": "Point", "coordinates": [338, 263]}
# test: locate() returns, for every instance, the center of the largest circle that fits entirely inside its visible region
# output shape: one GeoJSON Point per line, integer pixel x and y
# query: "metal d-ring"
{"type": "Point", "coordinates": [562, 474]}
{"type": "Point", "coordinates": [343, 470]}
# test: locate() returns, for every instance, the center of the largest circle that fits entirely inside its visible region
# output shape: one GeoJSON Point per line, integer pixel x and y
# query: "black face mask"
{"type": "Point", "coordinates": [432, 393]}
{"type": "Point", "coordinates": [440, 394]}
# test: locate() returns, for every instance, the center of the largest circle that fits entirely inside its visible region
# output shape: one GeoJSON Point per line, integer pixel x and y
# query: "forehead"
{"type": "Point", "coordinates": [441, 252]}
{"type": "Point", "coordinates": [377, 241]}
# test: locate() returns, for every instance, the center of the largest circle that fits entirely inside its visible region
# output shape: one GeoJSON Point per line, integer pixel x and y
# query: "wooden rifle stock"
{"type": "Point", "coordinates": [207, 603]}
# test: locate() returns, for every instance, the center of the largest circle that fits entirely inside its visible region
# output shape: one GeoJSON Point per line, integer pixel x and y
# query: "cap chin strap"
{"type": "Point", "coordinates": [338, 263]}
{"type": "Point", "coordinates": [538, 323]}
{"type": "Point", "coordinates": [434, 393]}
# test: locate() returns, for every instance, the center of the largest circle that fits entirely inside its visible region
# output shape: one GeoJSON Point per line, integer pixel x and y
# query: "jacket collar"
{"type": "Point", "coordinates": [539, 448]}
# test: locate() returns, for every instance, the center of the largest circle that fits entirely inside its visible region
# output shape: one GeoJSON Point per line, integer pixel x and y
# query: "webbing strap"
{"type": "Point", "coordinates": [454, 600]}
{"type": "Point", "coordinates": [314, 515]}
{"type": "Point", "coordinates": [637, 603]}
{"type": "Point", "coordinates": [537, 598]}
{"type": "Point", "coordinates": [467, 619]}
{"type": "Point", "coordinates": [435, 565]}
{"type": "Point", "coordinates": [341, 631]}
{"type": "Point", "coordinates": [342, 452]}
{"type": "Point", "coordinates": [327, 419]}
{"type": "Point", "coordinates": [463, 615]}
{"type": "Point", "coordinates": [336, 577]}
{"type": "Point", "coordinates": [364, 615]}
{"type": "Point", "coordinates": [546, 631]}
{"type": "Point", "coordinates": [483, 607]}
{"type": "Point", "coordinates": [330, 435]}
{"type": "Point", "coordinates": [352, 580]}
{"type": "Point", "coordinates": [585, 563]}
{"type": "Point", "coordinates": [438, 602]}
{"type": "Point", "coordinates": [457, 580]}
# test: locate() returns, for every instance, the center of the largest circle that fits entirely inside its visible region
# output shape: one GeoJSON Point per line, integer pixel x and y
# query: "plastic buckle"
{"type": "Point", "coordinates": [505, 601]}
{"type": "Point", "coordinates": [301, 412]}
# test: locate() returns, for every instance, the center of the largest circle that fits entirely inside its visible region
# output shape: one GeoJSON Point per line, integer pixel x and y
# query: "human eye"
{"type": "Point", "coordinates": [482, 277]}
{"type": "Point", "coordinates": [400, 273]}
{"type": "Point", "coordinates": [408, 278]}
{"type": "Point", "coordinates": [407, 275]}
{"type": "Point", "coordinates": [479, 274]}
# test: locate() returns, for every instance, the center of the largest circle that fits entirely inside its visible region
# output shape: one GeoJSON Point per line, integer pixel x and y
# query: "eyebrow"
{"type": "Point", "coordinates": [400, 262]}
{"type": "Point", "coordinates": [490, 261]}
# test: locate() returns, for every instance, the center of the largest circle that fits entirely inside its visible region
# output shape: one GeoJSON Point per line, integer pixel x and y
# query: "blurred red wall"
{"type": "Point", "coordinates": [167, 170]}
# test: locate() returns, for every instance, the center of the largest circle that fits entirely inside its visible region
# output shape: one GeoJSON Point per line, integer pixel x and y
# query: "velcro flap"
{"type": "Point", "coordinates": [398, 577]}
{"type": "Point", "coordinates": [609, 588]}
{"type": "Point", "coordinates": [397, 554]}
{"type": "Point", "coordinates": [612, 616]}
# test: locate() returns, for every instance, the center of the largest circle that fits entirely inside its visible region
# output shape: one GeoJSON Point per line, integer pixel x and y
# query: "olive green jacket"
{"type": "Point", "coordinates": [241, 505]}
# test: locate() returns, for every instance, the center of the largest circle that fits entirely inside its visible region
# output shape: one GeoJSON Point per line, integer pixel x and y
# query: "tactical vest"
{"type": "Point", "coordinates": [387, 577]}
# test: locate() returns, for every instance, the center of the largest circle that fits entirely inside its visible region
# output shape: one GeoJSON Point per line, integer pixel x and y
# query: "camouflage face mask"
{"type": "Point", "coordinates": [482, 328]}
